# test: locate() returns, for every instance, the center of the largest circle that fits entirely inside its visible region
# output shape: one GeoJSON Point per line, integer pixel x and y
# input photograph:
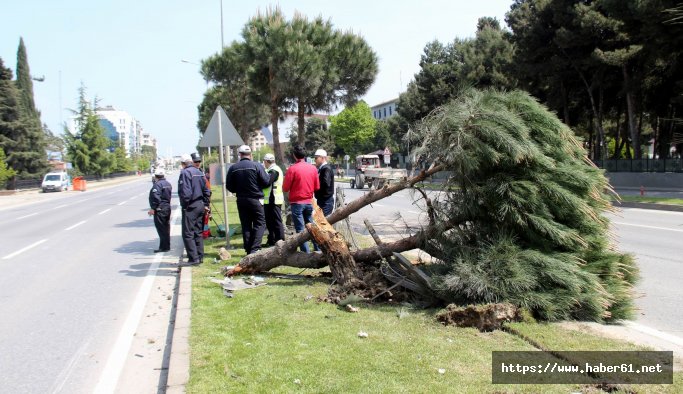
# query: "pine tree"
{"type": "Point", "coordinates": [29, 154]}
{"type": "Point", "coordinates": [529, 207]}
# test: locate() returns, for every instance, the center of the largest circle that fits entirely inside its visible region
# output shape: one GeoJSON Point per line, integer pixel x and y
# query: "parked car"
{"type": "Point", "coordinates": [55, 181]}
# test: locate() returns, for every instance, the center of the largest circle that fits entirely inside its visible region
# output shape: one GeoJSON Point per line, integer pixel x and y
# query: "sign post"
{"type": "Point", "coordinates": [213, 136]}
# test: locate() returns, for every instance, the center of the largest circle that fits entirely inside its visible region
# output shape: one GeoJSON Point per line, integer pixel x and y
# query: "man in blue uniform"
{"type": "Point", "coordinates": [247, 179]}
{"type": "Point", "coordinates": [160, 207]}
{"type": "Point", "coordinates": [194, 200]}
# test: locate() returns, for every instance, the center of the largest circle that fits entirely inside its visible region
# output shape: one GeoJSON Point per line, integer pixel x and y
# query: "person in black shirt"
{"type": "Point", "coordinates": [325, 195]}
{"type": "Point", "coordinates": [247, 179]}
{"type": "Point", "coordinates": [160, 207]}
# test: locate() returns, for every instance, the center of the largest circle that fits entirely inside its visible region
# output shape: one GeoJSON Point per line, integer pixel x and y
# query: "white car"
{"type": "Point", "coordinates": [55, 181]}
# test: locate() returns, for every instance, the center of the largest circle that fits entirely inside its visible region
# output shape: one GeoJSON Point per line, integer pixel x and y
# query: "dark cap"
{"type": "Point", "coordinates": [196, 157]}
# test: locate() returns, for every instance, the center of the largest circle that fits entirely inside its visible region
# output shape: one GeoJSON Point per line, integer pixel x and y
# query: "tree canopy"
{"type": "Point", "coordinates": [353, 128]}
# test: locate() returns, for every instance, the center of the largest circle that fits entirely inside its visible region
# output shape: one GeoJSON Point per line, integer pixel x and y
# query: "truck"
{"type": "Point", "coordinates": [369, 171]}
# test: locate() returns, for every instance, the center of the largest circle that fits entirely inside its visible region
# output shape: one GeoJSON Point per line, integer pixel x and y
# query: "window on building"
{"type": "Point", "coordinates": [385, 112]}
{"type": "Point", "coordinates": [389, 111]}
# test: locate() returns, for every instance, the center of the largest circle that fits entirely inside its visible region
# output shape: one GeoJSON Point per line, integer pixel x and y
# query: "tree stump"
{"type": "Point", "coordinates": [336, 251]}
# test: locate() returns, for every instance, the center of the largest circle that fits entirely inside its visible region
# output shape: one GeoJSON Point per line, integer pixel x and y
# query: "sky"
{"type": "Point", "coordinates": [128, 53]}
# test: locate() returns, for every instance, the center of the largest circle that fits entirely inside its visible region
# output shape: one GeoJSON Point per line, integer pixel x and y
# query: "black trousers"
{"type": "Point", "coordinates": [193, 225]}
{"type": "Point", "coordinates": [276, 230]}
{"type": "Point", "coordinates": [162, 222]}
{"type": "Point", "coordinates": [253, 222]}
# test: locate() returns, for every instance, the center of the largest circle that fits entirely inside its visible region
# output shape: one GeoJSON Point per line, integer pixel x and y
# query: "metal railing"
{"type": "Point", "coordinates": [22, 184]}
{"type": "Point", "coordinates": [641, 165]}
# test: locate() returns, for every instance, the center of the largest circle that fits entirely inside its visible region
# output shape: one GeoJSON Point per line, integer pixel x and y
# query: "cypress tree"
{"type": "Point", "coordinates": [530, 207]}
{"type": "Point", "coordinates": [11, 126]}
{"type": "Point", "coordinates": [29, 154]}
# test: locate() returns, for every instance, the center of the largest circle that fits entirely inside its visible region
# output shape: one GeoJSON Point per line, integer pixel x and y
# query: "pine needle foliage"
{"type": "Point", "coordinates": [530, 210]}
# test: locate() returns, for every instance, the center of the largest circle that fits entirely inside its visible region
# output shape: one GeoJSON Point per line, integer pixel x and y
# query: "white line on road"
{"type": "Point", "coordinates": [68, 370]}
{"type": "Point", "coordinates": [61, 206]}
{"type": "Point", "coordinates": [28, 216]}
{"type": "Point", "coordinates": [121, 203]}
{"type": "Point", "coordinates": [75, 225]}
{"type": "Point", "coordinates": [652, 227]}
{"type": "Point", "coordinates": [33, 245]}
{"type": "Point", "coordinates": [117, 358]}
{"type": "Point", "coordinates": [655, 333]}
{"type": "Point", "coordinates": [105, 211]}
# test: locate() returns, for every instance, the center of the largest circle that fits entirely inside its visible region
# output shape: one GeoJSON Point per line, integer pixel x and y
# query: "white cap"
{"type": "Point", "coordinates": [320, 152]}
{"type": "Point", "coordinates": [269, 157]}
{"type": "Point", "coordinates": [159, 172]}
{"type": "Point", "coordinates": [244, 149]}
{"type": "Point", "coordinates": [185, 158]}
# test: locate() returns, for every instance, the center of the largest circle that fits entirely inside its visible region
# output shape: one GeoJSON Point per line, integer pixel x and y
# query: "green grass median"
{"type": "Point", "coordinates": [282, 338]}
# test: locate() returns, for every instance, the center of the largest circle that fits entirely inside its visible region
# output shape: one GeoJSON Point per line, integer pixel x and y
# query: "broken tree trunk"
{"type": "Point", "coordinates": [284, 252]}
{"type": "Point", "coordinates": [335, 250]}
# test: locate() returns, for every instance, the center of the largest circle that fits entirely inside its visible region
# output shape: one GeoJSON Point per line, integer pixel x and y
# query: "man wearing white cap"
{"type": "Point", "coordinates": [247, 179]}
{"type": "Point", "coordinates": [160, 208]}
{"type": "Point", "coordinates": [273, 198]}
{"type": "Point", "coordinates": [325, 195]}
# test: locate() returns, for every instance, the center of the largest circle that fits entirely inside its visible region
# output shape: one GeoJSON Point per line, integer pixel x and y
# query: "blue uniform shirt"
{"type": "Point", "coordinates": [192, 187]}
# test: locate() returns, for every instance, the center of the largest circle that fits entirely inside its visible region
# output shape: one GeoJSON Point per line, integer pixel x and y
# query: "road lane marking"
{"type": "Point", "coordinates": [121, 203]}
{"type": "Point", "coordinates": [105, 211]}
{"type": "Point", "coordinates": [33, 245]}
{"type": "Point", "coordinates": [655, 333]}
{"type": "Point", "coordinates": [652, 227]}
{"type": "Point", "coordinates": [75, 225]}
{"type": "Point", "coordinates": [61, 206]}
{"type": "Point", "coordinates": [117, 358]}
{"type": "Point", "coordinates": [28, 216]}
{"type": "Point", "coordinates": [69, 368]}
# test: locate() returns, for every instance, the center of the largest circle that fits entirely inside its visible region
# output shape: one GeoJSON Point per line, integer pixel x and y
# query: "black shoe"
{"type": "Point", "coordinates": [189, 263]}
{"type": "Point", "coordinates": [161, 250]}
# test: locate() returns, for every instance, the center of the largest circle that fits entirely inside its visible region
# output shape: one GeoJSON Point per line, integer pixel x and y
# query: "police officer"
{"type": "Point", "coordinates": [160, 207]}
{"type": "Point", "coordinates": [273, 198]}
{"type": "Point", "coordinates": [194, 200]}
{"type": "Point", "coordinates": [247, 179]}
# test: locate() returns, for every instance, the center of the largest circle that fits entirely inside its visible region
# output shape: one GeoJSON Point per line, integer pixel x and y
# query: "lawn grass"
{"type": "Point", "coordinates": [280, 338]}
{"type": "Point", "coordinates": [656, 200]}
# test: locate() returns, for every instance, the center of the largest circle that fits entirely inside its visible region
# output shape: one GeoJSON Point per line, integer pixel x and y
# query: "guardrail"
{"type": "Point", "coordinates": [23, 184]}
{"type": "Point", "coordinates": [641, 165]}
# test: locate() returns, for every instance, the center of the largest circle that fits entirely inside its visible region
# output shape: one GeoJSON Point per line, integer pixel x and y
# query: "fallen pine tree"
{"type": "Point", "coordinates": [520, 219]}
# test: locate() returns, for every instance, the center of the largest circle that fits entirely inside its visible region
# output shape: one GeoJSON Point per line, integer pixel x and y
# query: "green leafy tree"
{"type": "Point", "coordinates": [524, 222]}
{"type": "Point", "coordinates": [88, 147]}
{"type": "Point", "coordinates": [317, 136]}
{"type": "Point", "coordinates": [30, 149]}
{"type": "Point", "coordinates": [6, 172]}
{"type": "Point", "coordinates": [353, 128]}
{"type": "Point", "coordinates": [121, 163]}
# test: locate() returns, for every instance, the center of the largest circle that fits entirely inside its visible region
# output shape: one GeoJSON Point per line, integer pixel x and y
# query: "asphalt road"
{"type": "Point", "coordinates": [654, 237]}
{"type": "Point", "coordinates": [70, 269]}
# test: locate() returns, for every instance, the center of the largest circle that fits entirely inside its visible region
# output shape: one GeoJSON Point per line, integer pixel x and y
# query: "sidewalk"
{"type": "Point", "coordinates": [29, 196]}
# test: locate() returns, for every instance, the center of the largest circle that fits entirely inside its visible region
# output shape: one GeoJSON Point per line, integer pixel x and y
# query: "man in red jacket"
{"type": "Point", "coordinates": [301, 181]}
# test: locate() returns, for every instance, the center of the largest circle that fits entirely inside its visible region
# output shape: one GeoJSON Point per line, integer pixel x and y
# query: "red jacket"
{"type": "Point", "coordinates": [301, 180]}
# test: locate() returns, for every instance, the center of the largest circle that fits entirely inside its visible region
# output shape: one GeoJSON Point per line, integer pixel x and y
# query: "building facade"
{"type": "Point", "coordinates": [384, 110]}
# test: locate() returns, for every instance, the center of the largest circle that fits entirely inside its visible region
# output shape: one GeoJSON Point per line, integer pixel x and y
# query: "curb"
{"type": "Point", "coordinates": [179, 363]}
